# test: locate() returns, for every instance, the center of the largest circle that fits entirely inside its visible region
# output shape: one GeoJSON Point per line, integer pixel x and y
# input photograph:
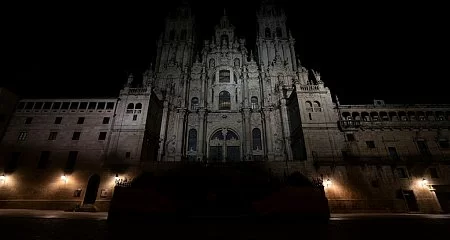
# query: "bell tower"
{"type": "Point", "coordinates": [274, 39]}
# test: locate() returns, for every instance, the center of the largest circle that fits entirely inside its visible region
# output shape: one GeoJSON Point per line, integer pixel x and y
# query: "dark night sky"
{"type": "Point", "coordinates": [372, 50]}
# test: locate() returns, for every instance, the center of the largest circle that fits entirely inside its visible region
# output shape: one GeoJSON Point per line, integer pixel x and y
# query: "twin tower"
{"type": "Point", "coordinates": [224, 103]}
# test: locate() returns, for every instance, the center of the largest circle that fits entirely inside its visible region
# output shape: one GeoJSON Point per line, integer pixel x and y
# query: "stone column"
{"type": "Point", "coordinates": [269, 135]}
{"type": "Point", "coordinates": [201, 134]}
{"type": "Point", "coordinates": [247, 133]}
{"type": "Point", "coordinates": [163, 132]}
{"type": "Point", "coordinates": [286, 130]}
{"type": "Point", "coordinates": [180, 138]}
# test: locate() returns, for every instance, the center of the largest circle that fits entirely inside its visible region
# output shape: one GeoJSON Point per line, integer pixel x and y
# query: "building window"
{"type": "Point", "coordinates": [443, 143]}
{"type": "Point", "coordinates": [28, 120]}
{"type": "Point", "coordinates": [80, 120]}
{"type": "Point", "coordinates": [267, 32]}
{"type": "Point", "coordinates": [224, 76]}
{"type": "Point", "coordinates": [13, 162]}
{"type": "Point", "coordinates": [192, 141]}
{"type": "Point", "coordinates": [138, 106]}
{"type": "Point", "coordinates": [83, 105]}
{"type": "Point", "coordinates": [351, 137]}
{"type": "Point", "coordinates": [71, 160]}
{"type": "Point", "coordinates": [130, 108]}
{"type": "Point", "coordinates": [43, 160]}
{"type": "Point", "coordinates": [74, 106]}
{"type": "Point", "coordinates": [134, 117]}
{"type": "Point", "coordinates": [127, 155]}
{"type": "Point", "coordinates": [76, 135]}
{"type": "Point", "coordinates": [52, 135]}
{"type": "Point", "coordinates": [101, 105]}
{"type": "Point", "coordinates": [401, 172]}
{"type": "Point", "coordinates": [92, 105]}
{"type": "Point", "coordinates": [22, 136]}
{"type": "Point", "coordinates": [56, 105]}
{"type": "Point", "coordinates": [254, 102]}
{"type": "Point", "coordinates": [105, 120]}
{"type": "Point", "coordinates": [58, 120]}
{"type": "Point", "coordinates": [224, 100]}
{"type": "Point", "coordinates": [109, 105]}
{"type": "Point", "coordinates": [393, 153]}
{"type": "Point", "coordinates": [279, 32]}
{"type": "Point", "coordinates": [256, 135]}
{"type": "Point", "coordinates": [370, 144]}
{"type": "Point", "coordinates": [423, 148]}
{"type": "Point", "coordinates": [433, 173]}
{"type": "Point", "coordinates": [102, 136]}
{"type": "Point", "coordinates": [194, 103]}
{"type": "Point", "coordinates": [65, 105]}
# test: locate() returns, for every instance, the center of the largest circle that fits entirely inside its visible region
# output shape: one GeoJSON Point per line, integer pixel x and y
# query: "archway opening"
{"type": "Point", "coordinates": [92, 189]}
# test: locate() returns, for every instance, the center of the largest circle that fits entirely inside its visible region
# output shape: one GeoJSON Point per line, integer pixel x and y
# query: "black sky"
{"type": "Point", "coordinates": [371, 50]}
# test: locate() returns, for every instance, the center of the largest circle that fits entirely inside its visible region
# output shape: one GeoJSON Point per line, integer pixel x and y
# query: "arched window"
{"type": "Point", "coordinates": [130, 106]}
{"type": "Point", "coordinates": [254, 102]}
{"type": "Point", "coordinates": [194, 103]}
{"type": "Point", "coordinates": [183, 34]}
{"type": "Point", "coordinates": [267, 32]}
{"type": "Point", "coordinates": [237, 62]}
{"type": "Point", "coordinates": [172, 35]}
{"type": "Point", "coordinates": [224, 76]}
{"type": "Point", "coordinates": [192, 141]}
{"type": "Point", "coordinates": [279, 33]}
{"type": "Point", "coordinates": [224, 100]}
{"type": "Point", "coordinates": [256, 133]}
{"type": "Point", "coordinates": [316, 104]}
{"type": "Point", "coordinates": [138, 106]}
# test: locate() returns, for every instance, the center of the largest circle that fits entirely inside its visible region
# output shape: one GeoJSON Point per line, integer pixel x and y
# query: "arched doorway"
{"type": "Point", "coordinates": [224, 146]}
{"type": "Point", "coordinates": [92, 189]}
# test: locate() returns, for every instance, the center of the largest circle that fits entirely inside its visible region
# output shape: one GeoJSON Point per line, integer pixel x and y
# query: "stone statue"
{"type": "Point", "coordinates": [130, 80]}
{"type": "Point", "coordinates": [317, 76]}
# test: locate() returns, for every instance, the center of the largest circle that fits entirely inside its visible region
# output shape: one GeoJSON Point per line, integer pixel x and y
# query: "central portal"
{"type": "Point", "coordinates": [224, 146]}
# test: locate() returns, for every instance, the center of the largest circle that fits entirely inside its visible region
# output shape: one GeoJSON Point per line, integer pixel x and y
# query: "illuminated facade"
{"type": "Point", "coordinates": [224, 103]}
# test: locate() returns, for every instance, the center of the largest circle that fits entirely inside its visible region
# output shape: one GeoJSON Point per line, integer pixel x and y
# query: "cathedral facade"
{"type": "Point", "coordinates": [221, 103]}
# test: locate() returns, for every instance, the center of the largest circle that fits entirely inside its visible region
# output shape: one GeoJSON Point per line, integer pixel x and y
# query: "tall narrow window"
{"type": "Point", "coordinates": [71, 160]}
{"type": "Point", "coordinates": [105, 120]}
{"type": "Point", "coordinates": [194, 103]}
{"type": "Point", "coordinates": [43, 160]}
{"type": "Point", "coordinates": [58, 120]}
{"type": "Point", "coordinates": [423, 148]}
{"type": "Point", "coordinates": [76, 135]}
{"type": "Point", "coordinates": [102, 136]}
{"type": "Point", "coordinates": [256, 133]}
{"type": "Point", "coordinates": [22, 136]}
{"type": "Point", "coordinates": [224, 100]}
{"type": "Point", "coordinates": [254, 102]}
{"type": "Point", "coordinates": [279, 32]}
{"type": "Point", "coordinates": [224, 76]}
{"type": "Point", "coordinates": [28, 120]}
{"type": "Point", "coordinates": [267, 32]}
{"type": "Point", "coordinates": [80, 120]}
{"type": "Point", "coordinates": [52, 135]}
{"type": "Point", "coordinates": [192, 141]}
{"type": "Point", "coordinates": [393, 153]}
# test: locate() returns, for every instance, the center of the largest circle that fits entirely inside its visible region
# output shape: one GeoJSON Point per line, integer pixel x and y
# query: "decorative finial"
{"type": "Point", "coordinates": [337, 100]}
{"type": "Point", "coordinates": [251, 56]}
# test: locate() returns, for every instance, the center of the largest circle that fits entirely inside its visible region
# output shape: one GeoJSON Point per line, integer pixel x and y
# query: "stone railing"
{"type": "Point", "coordinates": [308, 88]}
{"type": "Point", "coordinates": [137, 91]}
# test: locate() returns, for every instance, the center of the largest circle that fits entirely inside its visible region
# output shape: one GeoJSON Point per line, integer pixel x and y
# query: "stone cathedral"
{"type": "Point", "coordinates": [215, 101]}
{"type": "Point", "coordinates": [225, 103]}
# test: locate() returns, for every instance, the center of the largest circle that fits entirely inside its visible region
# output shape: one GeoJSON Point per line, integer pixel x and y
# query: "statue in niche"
{"type": "Point", "coordinates": [212, 63]}
{"type": "Point", "coordinates": [316, 76]}
{"type": "Point", "coordinates": [237, 62]}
